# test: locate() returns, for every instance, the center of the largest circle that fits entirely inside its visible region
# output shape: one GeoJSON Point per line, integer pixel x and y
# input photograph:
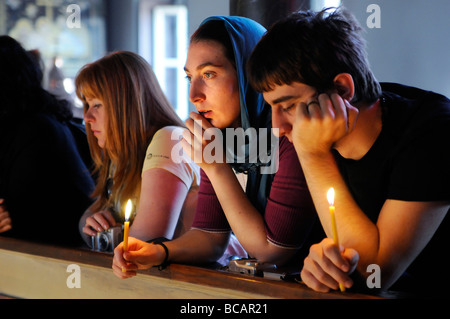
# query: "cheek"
{"type": "Point", "coordinates": [282, 121]}
{"type": "Point", "coordinates": [233, 98]}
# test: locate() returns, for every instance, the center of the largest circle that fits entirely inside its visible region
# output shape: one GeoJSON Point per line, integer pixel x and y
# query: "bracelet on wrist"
{"type": "Point", "coordinates": [164, 264]}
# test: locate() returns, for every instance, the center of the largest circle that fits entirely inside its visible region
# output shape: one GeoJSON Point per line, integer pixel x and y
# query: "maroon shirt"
{"type": "Point", "coordinates": [289, 215]}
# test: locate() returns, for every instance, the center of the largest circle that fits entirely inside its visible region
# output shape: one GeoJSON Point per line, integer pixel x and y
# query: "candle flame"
{"type": "Point", "coordinates": [128, 210]}
{"type": "Point", "coordinates": [330, 196]}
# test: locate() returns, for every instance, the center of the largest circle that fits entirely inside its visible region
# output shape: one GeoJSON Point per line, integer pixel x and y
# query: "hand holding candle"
{"type": "Point", "coordinates": [330, 197]}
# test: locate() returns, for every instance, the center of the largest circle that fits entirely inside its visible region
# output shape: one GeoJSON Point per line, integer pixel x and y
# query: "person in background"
{"type": "Point", "coordinates": [271, 214]}
{"type": "Point", "coordinates": [130, 127]}
{"type": "Point", "coordinates": [383, 148]}
{"type": "Point", "coordinates": [44, 182]}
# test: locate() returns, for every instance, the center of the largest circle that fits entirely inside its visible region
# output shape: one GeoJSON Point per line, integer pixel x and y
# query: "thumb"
{"type": "Point", "coordinates": [131, 255]}
{"type": "Point", "coordinates": [352, 256]}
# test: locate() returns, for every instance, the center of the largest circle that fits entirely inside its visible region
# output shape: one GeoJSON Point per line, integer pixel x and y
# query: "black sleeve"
{"type": "Point", "coordinates": [49, 186]}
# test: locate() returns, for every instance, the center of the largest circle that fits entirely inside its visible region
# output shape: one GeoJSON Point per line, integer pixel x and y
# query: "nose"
{"type": "Point", "coordinates": [88, 117]}
{"type": "Point", "coordinates": [280, 122]}
{"type": "Point", "coordinates": [196, 91]}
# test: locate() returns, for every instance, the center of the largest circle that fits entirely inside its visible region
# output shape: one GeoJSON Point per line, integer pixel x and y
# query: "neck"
{"type": "Point", "coordinates": [367, 129]}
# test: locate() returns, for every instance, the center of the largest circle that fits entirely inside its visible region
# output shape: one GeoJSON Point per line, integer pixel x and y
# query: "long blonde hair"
{"type": "Point", "coordinates": [136, 108]}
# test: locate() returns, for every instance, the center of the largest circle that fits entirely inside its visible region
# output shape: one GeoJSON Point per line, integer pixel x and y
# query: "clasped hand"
{"type": "Point", "coordinates": [319, 125]}
{"type": "Point", "coordinates": [203, 142]}
{"type": "Point", "coordinates": [327, 265]}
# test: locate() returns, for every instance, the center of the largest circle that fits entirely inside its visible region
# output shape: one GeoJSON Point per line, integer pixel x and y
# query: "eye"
{"type": "Point", "coordinates": [287, 109]}
{"type": "Point", "coordinates": [208, 75]}
{"type": "Point", "coordinates": [188, 78]}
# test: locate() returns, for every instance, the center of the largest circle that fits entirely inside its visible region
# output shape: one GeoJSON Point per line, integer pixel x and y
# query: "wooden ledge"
{"type": "Point", "coordinates": [35, 270]}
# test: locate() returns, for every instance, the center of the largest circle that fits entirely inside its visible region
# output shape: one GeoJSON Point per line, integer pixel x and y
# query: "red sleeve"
{"type": "Point", "coordinates": [209, 215]}
{"type": "Point", "coordinates": [290, 212]}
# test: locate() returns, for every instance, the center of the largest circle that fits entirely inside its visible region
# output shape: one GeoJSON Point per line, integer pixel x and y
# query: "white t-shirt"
{"type": "Point", "coordinates": [165, 142]}
{"type": "Point", "coordinates": [159, 155]}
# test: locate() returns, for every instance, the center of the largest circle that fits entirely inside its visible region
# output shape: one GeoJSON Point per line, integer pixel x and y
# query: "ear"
{"type": "Point", "coordinates": [343, 82]}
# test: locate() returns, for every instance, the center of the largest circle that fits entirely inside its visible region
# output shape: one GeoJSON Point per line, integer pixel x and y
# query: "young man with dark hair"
{"type": "Point", "coordinates": [383, 148]}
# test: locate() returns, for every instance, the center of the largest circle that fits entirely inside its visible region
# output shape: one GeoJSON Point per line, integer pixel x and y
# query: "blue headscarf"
{"type": "Point", "coordinates": [255, 113]}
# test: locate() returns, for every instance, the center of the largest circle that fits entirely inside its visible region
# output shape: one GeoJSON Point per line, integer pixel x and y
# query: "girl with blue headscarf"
{"type": "Point", "coordinates": [259, 194]}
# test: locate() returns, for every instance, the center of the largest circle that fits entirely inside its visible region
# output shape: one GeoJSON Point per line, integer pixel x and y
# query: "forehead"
{"type": "Point", "coordinates": [206, 51]}
{"type": "Point", "coordinates": [92, 98]}
{"type": "Point", "coordinates": [281, 93]}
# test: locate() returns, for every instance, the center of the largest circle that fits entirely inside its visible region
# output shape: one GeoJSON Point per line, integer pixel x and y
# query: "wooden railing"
{"type": "Point", "coordinates": [35, 270]}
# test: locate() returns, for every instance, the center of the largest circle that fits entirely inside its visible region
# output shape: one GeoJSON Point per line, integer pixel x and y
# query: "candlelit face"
{"type": "Point", "coordinates": [96, 117]}
{"type": "Point", "coordinates": [213, 82]}
{"type": "Point", "coordinates": [284, 99]}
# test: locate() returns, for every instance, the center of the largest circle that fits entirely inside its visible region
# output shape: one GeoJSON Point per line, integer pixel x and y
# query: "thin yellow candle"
{"type": "Point", "coordinates": [330, 197]}
{"type": "Point", "coordinates": [126, 227]}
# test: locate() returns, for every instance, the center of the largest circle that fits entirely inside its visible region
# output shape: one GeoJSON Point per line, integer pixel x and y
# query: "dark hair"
{"type": "Point", "coordinates": [21, 91]}
{"type": "Point", "coordinates": [312, 48]}
{"type": "Point", "coordinates": [214, 30]}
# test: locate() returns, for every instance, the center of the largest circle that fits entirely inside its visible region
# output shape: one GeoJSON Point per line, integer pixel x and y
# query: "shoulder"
{"type": "Point", "coordinates": [42, 127]}
{"type": "Point", "coordinates": [412, 103]}
{"type": "Point", "coordinates": [410, 113]}
{"type": "Point", "coordinates": [169, 133]}
{"type": "Point", "coordinates": [165, 138]}
{"type": "Point", "coordinates": [161, 151]}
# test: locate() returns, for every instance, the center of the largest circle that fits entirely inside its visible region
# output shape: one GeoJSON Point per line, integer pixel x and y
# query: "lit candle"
{"type": "Point", "coordinates": [127, 225]}
{"type": "Point", "coordinates": [330, 197]}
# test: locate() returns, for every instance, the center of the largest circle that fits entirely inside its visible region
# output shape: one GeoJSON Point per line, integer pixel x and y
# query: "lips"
{"type": "Point", "coordinates": [206, 114]}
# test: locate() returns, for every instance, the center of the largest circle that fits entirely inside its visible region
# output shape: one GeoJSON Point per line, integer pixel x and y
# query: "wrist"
{"type": "Point", "coordinates": [163, 253]}
{"type": "Point", "coordinates": [216, 169]}
{"type": "Point", "coordinates": [312, 156]}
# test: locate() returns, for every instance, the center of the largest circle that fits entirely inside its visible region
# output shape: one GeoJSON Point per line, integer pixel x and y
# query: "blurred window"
{"type": "Point", "coordinates": [163, 41]}
{"type": "Point", "coordinates": [317, 5]}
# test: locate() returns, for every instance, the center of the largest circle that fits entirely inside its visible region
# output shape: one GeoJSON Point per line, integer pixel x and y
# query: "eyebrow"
{"type": "Point", "coordinates": [204, 65]}
{"type": "Point", "coordinates": [284, 98]}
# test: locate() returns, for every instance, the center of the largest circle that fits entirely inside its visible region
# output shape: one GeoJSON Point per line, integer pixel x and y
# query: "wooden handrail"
{"type": "Point", "coordinates": [190, 280]}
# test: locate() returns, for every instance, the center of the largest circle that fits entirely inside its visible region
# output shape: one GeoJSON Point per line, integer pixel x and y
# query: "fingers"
{"type": "Point", "coordinates": [326, 267]}
{"type": "Point", "coordinates": [199, 134]}
{"type": "Point", "coordinates": [344, 111]}
{"type": "Point", "coordinates": [330, 105]}
{"type": "Point", "coordinates": [121, 268]}
{"type": "Point", "coordinates": [121, 274]}
{"type": "Point", "coordinates": [98, 222]}
{"type": "Point", "coordinates": [5, 219]}
{"type": "Point", "coordinates": [140, 255]}
{"type": "Point", "coordinates": [200, 119]}
{"type": "Point", "coordinates": [316, 278]}
{"type": "Point", "coordinates": [333, 254]}
{"type": "Point", "coordinates": [196, 124]}
{"type": "Point", "coordinates": [352, 256]}
{"type": "Point", "coordinates": [89, 231]}
{"type": "Point", "coordinates": [192, 142]}
{"type": "Point", "coordinates": [352, 115]}
{"type": "Point", "coordinates": [195, 131]}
